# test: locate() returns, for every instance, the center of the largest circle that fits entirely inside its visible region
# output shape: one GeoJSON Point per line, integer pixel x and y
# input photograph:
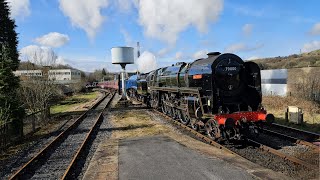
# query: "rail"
{"type": "Point", "coordinates": [263, 147]}
{"type": "Point", "coordinates": [53, 143]}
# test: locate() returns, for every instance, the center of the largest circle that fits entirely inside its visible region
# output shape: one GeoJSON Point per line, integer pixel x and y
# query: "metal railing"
{"type": "Point", "coordinates": [8, 134]}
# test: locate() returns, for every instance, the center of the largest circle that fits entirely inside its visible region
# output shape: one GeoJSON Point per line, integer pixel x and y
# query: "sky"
{"type": "Point", "coordinates": [81, 33]}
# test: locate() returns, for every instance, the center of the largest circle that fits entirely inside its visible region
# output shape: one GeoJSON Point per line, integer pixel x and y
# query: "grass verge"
{"type": "Point", "coordinates": [74, 103]}
{"type": "Point", "coordinates": [277, 105]}
{"type": "Point", "coordinates": [135, 124]}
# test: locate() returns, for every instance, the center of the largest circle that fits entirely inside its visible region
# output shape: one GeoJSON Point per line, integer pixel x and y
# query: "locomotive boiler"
{"type": "Point", "coordinates": [220, 95]}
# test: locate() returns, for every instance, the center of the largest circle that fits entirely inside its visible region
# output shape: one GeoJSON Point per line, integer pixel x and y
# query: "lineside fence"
{"type": "Point", "coordinates": [8, 135]}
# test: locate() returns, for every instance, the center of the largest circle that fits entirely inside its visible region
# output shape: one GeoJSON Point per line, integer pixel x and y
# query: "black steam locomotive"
{"type": "Point", "coordinates": [220, 95]}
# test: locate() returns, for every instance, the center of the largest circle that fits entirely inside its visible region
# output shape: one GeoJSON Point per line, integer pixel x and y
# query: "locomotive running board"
{"type": "Point", "coordinates": [194, 91]}
{"type": "Point", "coordinates": [177, 89]}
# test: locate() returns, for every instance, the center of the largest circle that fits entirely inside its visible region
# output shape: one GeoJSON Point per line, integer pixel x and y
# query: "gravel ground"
{"type": "Point", "coordinates": [256, 155]}
{"type": "Point", "coordinates": [57, 162]}
{"type": "Point", "coordinates": [299, 151]}
{"type": "Point", "coordinates": [100, 134]}
{"type": "Point", "coordinates": [29, 150]}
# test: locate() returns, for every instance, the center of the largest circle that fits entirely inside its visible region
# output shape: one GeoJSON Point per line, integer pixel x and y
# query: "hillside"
{"type": "Point", "coordinates": [293, 61]}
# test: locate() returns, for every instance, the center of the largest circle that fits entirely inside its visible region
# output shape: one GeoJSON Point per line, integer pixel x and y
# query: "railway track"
{"type": "Point", "coordinates": [59, 158]}
{"type": "Point", "coordinates": [290, 138]}
{"type": "Point", "coordinates": [256, 143]}
{"type": "Point", "coordinates": [294, 132]}
{"type": "Point", "coordinates": [260, 153]}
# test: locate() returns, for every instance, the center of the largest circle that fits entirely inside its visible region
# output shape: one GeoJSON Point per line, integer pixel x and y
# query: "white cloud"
{"type": "Point", "coordinates": [163, 52]}
{"type": "Point", "coordinates": [247, 29]}
{"type": "Point", "coordinates": [127, 37]}
{"type": "Point", "coordinates": [85, 14]}
{"type": "Point", "coordinates": [61, 60]}
{"type": "Point", "coordinates": [240, 47]}
{"type": "Point", "coordinates": [200, 54]}
{"type": "Point", "coordinates": [53, 39]}
{"type": "Point", "coordinates": [126, 5]}
{"type": "Point", "coordinates": [165, 19]}
{"type": "Point", "coordinates": [179, 55]}
{"type": "Point", "coordinates": [315, 29]}
{"type": "Point", "coordinates": [43, 56]}
{"type": "Point", "coordinates": [311, 46]}
{"type": "Point", "coordinates": [247, 11]}
{"type": "Point", "coordinates": [19, 8]}
{"type": "Point", "coordinates": [146, 62]}
{"type": "Point", "coordinates": [253, 58]}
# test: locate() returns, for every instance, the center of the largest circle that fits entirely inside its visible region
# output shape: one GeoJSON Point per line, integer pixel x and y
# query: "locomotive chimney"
{"type": "Point", "coordinates": [212, 54]}
{"type": "Point", "coordinates": [138, 49]}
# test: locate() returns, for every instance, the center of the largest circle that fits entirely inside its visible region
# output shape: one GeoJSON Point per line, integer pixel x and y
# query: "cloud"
{"type": "Point", "coordinates": [200, 54]}
{"type": "Point", "coordinates": [61, 60]}
{"type": "Point", "coordinates": [315, 29]}
{"type": "Point", "coordinates": [240, 47]}
{"type": "Point", "coordinates": [247, 29]}
{"type": "Point", "coordinates": [179, 55]}
{"type": "Point", "coordinates": [53, 39]}
{"type": "Point", "coordinates": [247, 11]}
{"type": "Point", "coordinates": [19, 8]}
{"type": "Point", "coordinates": [126, 5]}
{"type": "Point", "coordinates": [301, 19]}
{"type": "Point", "coordinates": [43, 56]}
{"type": "Point", "coordinates": [311, 46]}
{"type": "Point", "coordinates": [253, 58]}
{"type": "Point", "coordinates": [165, 19]}
{"type": "Point", "coordinates": [127, 37]}
{"type": "Point", "coordinates": [164, 51]}
{"type": "Point", "coordinates": [146, 62]}
{"type": "Point", "coordinates": [85, 14]}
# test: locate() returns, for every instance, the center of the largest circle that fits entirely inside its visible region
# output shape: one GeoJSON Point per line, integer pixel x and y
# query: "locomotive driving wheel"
{"type": "Point", "coordinates": [212, 129]}
{"type": "Point", "coordinates": [154, 102]}
{"type": "Point", "coordinates": [184, 118]}
{"type": "Point", "coordinates": [194, 125]}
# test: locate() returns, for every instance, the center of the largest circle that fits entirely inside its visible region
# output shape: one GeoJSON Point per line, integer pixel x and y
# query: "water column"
{"type": "Point", "coordinates": [122, 56]}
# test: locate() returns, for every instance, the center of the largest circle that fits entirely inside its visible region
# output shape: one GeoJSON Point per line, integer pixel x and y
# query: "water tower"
{"type": "Point", "coordinates": [122, 56]}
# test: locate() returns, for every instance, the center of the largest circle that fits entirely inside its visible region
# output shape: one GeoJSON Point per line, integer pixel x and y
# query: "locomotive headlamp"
{"type": "Point", "coordinates": [197, 76]}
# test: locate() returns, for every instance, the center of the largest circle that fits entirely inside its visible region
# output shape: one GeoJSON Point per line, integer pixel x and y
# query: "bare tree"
{"type": "Point", "coordinates": [44, 57]}
{"type": "Point", "coordinates": [305, 83]}
{"type": "Point", "coordinates": [37, 92]}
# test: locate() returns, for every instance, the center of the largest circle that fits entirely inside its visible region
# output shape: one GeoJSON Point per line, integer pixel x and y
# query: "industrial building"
{"type": "Point", "coordinates": [29, 73]}
{"type": "Point", "coordinates": [59, 76]}
{"type": "Point", "coordinates": [274, 82]}
{"type": "Point", "coordinates": [64, 76]}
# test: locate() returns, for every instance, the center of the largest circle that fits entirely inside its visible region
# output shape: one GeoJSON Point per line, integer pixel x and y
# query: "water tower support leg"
{"type": "Point", "coordinates": [123, 85]}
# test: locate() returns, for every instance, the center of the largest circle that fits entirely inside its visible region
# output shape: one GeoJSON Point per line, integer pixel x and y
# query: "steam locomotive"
{"type": "Point", "coordinates": [219, 95]}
